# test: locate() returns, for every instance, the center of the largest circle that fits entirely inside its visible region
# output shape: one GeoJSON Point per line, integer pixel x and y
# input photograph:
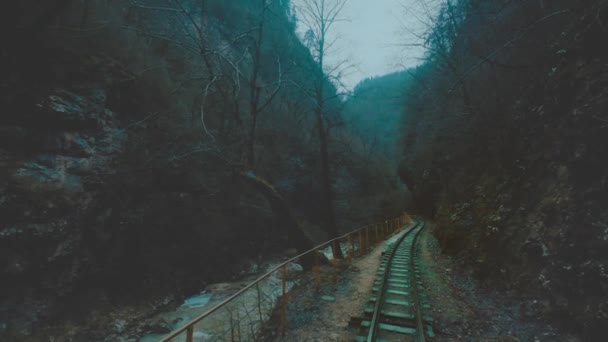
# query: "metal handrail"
{"type": "Point", "coordinates": [188, 327]}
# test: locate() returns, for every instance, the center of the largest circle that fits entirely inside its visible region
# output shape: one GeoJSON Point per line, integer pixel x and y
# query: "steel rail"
{"type": "Point", "coordinates": [375, 321]}
{"type": "Point", "coordinates": [189, 326]}
{"type": "Point", "coordinates": [414, 286]}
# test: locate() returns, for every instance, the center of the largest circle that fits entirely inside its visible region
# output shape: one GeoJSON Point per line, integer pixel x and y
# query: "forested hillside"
{"type": "Point", "coordinates": [373, 113]}
{"type": "Point", "coordinates": [503, 143]}
{"type": "Point", "coordinates": [148, 148]}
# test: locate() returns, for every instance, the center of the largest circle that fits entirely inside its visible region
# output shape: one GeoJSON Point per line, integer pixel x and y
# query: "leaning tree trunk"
{"type": "Point", "coordinates": [328, 195]}
{"type": "Point", "coordinates": [295, 236]}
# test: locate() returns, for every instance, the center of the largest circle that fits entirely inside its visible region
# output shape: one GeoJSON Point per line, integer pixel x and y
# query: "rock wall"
{"type": "Point", "coordinates": [91, 221]}
{"type": "Point", "coordinates": [510, 163]}
{"type": "Point", "coordinates": [113, 194]}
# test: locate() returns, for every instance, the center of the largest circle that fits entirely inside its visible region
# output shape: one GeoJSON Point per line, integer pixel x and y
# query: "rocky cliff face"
{"type": "Point", "coordinates": [58, 142]}
{"type": "Point", "coordinates": [82, 227]}
{"type": "Point", "coordinates": [121, 184]}
{"type": "Point", "coordinates": [87, 226]}
{"type": "Point", "coordinates": [515, 175]}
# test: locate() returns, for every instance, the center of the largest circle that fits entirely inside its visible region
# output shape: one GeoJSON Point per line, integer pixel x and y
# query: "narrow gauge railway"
{"type": "Point", "coordinates": [398, 309]}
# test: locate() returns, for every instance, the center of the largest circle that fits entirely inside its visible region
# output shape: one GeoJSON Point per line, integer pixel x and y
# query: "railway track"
{"type": "Point", "coordinates": [398, 309]}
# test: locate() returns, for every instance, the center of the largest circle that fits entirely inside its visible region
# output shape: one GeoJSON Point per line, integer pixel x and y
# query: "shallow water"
{"type": "Point", "coordinates": [240, 319]}
{"type": "Point", "coordinates": [199, 300]}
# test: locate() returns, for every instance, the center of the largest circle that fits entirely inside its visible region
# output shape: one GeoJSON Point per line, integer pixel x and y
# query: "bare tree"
{"type": "Point", "coordinates": [236, 72]}
{"type": "Point", "coordinates": [319, 16]}
{"type": "Point", "coordinates": [256, 103]}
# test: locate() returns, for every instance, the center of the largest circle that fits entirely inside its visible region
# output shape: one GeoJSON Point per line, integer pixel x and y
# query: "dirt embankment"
{"type": "Point", "coordinates": [463, 311]}
{"type": "Point", "coordinates": [511, 165]}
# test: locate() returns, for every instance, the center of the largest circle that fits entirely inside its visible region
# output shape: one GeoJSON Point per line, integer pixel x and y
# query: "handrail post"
{"type": "Point", "coordinates": [257, 287]}
{"type": "Point", "coordinates": [284, 301]}
{"type": "Point", "coordinates": [376, 233]}
{"type": "Point", "coordinates": [232, 334]}
{"type": "Point", "coordinates": [190, 334]}
{"type": "Point", "coordinates": [317, 272]}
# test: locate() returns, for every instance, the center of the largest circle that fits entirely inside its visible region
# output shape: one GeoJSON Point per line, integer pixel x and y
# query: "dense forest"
{"type": "Point", "coordinates": [503, 143]}
{"type": "Point", "coordinates": [373, 113]}
{"type": "Point", "coordinates": [151, 147]}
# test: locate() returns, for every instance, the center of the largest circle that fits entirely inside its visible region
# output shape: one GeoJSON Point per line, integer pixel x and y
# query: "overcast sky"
{"type": "Point", "coordinates": [373, 36]}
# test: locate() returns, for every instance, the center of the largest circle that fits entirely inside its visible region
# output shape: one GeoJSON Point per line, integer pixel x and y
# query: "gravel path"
{"type": "Point", "coordinates": [324, 316]}
{"type": "Point", "coordinates": [461, 310]}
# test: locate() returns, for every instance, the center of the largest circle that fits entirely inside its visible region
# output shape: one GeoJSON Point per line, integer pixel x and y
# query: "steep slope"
{"type": "Point", "coordinates": [373, 112]}
{"type": "Point", "coordinates": [122, 144]}
{"type": "Point", "coordinates": [504, 143]}
{"type": "Point", "coordinates": [370, 120]}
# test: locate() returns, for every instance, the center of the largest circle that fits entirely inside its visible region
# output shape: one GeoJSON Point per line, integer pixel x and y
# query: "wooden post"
{"type": "Point", "coordinates": [190, 333]}
{"type": "Point", "coordinates": [366, 238]}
